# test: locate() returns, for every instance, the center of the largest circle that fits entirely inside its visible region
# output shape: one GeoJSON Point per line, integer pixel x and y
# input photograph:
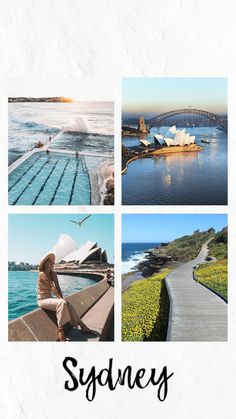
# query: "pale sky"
{"type": "Point", "coordinates": [166, 94]}
{"type": "Point", "coordinates": [92, 89]}
{"type": "Point", "coordinates": [32, 235]}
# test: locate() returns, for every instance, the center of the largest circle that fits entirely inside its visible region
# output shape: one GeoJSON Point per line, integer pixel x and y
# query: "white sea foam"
{"type": "Point", "coordinates": [76, 125]}
{"type": "Point", "coordinates": [33, 122]}
{"type": "Point", "coordinates": [133, 261]}
{"type": "Point", "coordinates": [84, 117]}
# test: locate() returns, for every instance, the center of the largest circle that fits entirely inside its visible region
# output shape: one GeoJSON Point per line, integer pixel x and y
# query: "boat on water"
{"type": "Point", "coordinates": [204, 140]}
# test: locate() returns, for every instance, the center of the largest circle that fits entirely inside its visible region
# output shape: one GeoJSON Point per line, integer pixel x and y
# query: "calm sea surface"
{"type": "Point", "coordinates": [84, 126]}
{"type": "Point", "coordinates": [196, 178]}
{"type": "Point", "coordinates": [133, 253]}
{"type": "Point", "coordinates": [22, 290]}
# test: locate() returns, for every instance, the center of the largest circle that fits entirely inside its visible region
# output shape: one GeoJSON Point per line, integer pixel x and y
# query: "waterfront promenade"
{"type": "Point", "coordinates": [196, 313]}
{"type": "Point", "coordinates": [94, 304]}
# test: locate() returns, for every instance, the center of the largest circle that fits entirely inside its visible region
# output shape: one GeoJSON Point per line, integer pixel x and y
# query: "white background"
{"type": "Point", "coordinates": [111, 39]}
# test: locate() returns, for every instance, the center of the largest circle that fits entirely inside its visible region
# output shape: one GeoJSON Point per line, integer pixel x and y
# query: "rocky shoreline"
{"type": "Point", "coordinates": [106, 182]}
{"type": "Point", "coordinates": [156, 259]}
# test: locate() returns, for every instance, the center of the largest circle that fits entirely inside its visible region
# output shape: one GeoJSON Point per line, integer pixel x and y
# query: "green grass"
{"type": "Point", "coordinates": [214, 275]}
{"type": "Point", "coordinates": [145, 309]}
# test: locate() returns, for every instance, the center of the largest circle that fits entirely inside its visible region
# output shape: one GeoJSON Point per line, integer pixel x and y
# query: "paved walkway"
{"type": "Point", "coordinates": [196, 313]}
{"type": "Point", "coordinates": [127, 281]}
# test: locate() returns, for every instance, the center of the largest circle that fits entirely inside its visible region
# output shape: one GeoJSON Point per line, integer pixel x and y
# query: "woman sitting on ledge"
{"type": "Point", "coordinates": [48, 284]}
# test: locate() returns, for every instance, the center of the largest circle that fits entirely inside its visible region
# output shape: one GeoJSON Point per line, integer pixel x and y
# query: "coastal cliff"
{"type": "Point", "coordinates": [178, 251]}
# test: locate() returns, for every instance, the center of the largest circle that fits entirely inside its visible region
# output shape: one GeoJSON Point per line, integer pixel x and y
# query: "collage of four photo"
{"type": "Point", "coordinates": [70, 170]}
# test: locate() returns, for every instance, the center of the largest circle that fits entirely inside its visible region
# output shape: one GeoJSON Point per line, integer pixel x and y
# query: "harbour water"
{"type": "Point", "coordinates": [22, 286]}
{"type": "Point", "coordinates": [195, 178]}
{"type": "Point", "coordinates": [83, 126]}
{"type": "Point", "coordinates": [133, 253]}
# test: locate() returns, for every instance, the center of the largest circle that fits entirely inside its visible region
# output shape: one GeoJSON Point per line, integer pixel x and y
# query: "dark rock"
{"type": "Point", "coordinates": [155, 260]}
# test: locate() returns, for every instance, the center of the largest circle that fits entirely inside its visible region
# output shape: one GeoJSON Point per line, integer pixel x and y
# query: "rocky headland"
{"type": "Point", "coordinates": [105, 173]}
{"type": "Point", "coordinates": [180, 250]}
{"type": "Point", "coordinates": [155, 259]}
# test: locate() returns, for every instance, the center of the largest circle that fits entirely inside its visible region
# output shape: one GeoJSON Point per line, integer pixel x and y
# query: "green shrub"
{"type": "Point", "coordinates": [215, 275]}
{"type": "Point", "coordinates": [218, 246]}
{"type": "Point", "coordinates": [218, 250]}
{"type": "Point", "coordinates": [145, 309]}
{"type": "Point", "coordinates": [187, 247]}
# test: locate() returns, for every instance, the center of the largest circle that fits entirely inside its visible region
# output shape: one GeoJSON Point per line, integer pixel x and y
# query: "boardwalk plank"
{"type": "Point", "coordinates": [197, 314]}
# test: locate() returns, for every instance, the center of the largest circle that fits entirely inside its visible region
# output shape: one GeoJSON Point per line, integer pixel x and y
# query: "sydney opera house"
{"type": "Point", "coordinates": [174, 137]}
{"type": "Point", "coordinates": [68, 253]}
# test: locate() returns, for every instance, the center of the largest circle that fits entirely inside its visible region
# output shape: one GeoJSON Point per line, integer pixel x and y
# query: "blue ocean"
{"type": "Point", "coordinates": [22, 290]}
{"type": "Point", "coordinates": [77, 126]}
{"type": "Point", "coordinates": [133, 253]}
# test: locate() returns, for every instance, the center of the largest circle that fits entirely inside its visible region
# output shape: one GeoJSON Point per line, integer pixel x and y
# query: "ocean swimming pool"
{"type": "Point", "coordinates": [50, 179]}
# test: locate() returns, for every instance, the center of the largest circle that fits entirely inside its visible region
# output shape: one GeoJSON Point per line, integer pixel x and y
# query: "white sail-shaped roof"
{"type": "Point", "coordinates": [80, 253]}
{"type": "Point", "coordinates": [173, 129]}
{"type": "Point", "coordinates": [179, 137]}
{"type": "Point", "coordinates": [145, 142]}
{"type": "Point", "coordinates": [187, 139]}
{"type": "Point", "coordinates": [91, 252]}
{"type": "Point", "coordinates": [66, 250]}
{"type": "Point", "coordinates": [159, 139]}
{"type": "Point", "coordinates": [171, 132]}
{"type": "Point", "coordinates": [169, 141]}
{"type": "Point", "coordinates": [176, 137]}
{"type": "Point", "coordinates": [63, 247]}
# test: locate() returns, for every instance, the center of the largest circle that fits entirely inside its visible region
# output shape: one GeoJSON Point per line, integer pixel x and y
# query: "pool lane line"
{"type": "Point", "coordinates": [59, 182]}
{"type": "Point", "coordinates": [89, 182]}
{"type": "Point", "coordinates": [43, 186]}
{"type": "Point", "coordinates": [18, 180]}
{"type": "Point", "coordinates": [31, 180]}
{"type": "Point", "coordinates": [75, 177]}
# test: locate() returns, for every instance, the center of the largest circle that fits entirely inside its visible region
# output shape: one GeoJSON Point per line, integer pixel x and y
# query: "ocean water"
{"type": "Point", "coordinates": [133, 253]}
{"type": "Point", "coordinates": [196, 178]}
{"type": "Point", "coordinates": [83, 126]}
{"type": "Point", "coordinates": [22, 296]}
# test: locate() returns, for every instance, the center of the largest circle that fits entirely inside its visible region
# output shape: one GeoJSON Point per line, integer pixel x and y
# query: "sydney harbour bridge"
{"type": "Point", "coordinates": [218, 120]}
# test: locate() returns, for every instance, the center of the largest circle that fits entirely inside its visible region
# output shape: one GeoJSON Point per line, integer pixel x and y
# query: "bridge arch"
{"type": "Point", "coordinates": [213, 117]}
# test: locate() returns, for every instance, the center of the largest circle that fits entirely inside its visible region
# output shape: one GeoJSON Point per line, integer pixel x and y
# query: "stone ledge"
{"type": "Point", "coordinates": [41, 325]}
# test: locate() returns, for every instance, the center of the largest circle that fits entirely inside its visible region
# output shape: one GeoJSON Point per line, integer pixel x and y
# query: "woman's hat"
{"type": "Point", "coordinates": [48, 256]}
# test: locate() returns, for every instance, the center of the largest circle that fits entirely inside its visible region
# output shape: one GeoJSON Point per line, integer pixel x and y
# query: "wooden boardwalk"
{"type": "Point", "coordinates": [196, 313]}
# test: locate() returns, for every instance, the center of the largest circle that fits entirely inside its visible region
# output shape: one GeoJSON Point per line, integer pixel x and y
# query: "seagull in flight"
{"type": "Point", "coordinates": [79, 223]}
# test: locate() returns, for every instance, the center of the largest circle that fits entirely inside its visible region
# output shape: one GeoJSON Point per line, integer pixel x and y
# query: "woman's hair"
{"type": "Point", "coordinates": [43, 265]}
